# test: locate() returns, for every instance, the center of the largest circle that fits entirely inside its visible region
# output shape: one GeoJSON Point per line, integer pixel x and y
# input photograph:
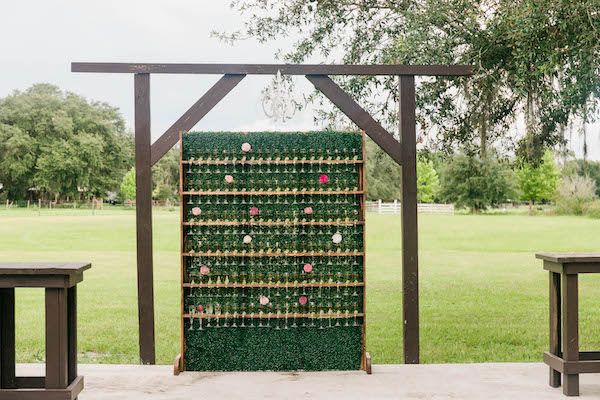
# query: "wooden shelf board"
{"type": "Point", "coordinates": [272, 285]}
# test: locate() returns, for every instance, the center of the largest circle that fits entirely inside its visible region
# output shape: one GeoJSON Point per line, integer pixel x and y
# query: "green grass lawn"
{"type": "Point", "coordinates": [483, 294]}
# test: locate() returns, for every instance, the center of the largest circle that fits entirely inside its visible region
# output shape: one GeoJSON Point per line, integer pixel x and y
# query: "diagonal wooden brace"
{"type": "Point", "coordinates": [358, 115]}
{"type": "Point", "coordinates": [194, 114]}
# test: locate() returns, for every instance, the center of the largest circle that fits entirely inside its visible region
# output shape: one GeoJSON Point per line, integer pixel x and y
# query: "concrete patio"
{"type": "Point", "coordinates": [512, 381]}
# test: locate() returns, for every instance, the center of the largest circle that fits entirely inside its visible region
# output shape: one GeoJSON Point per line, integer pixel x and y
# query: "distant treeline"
{"type": "Point", "coordinates": [58, 146]}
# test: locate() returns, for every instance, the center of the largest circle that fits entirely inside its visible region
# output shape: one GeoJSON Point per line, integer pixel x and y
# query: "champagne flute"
{"type": "Point", "coordinates": [191, 310]}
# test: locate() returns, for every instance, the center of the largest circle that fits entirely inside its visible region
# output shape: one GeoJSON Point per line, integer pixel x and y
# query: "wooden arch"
{"type": "Point", "coordinates": [403, 152]}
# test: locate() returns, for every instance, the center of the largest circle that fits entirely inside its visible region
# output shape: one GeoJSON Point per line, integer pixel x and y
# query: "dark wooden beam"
{"type": "Point", "coordinates": [358, 115]}
{"type": "Point", "coordinates": [410, 250]}
{"type": "Point", "coordinates": [143, 201]}
{"type": "Point", "coordinates": [271, 69]}
{"type": "Point", "coordinates": [194, 114]}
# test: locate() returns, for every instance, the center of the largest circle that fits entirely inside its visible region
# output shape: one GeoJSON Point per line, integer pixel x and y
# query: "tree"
{"type": "Point", "coordinates": [61, 144]}
{"type": "Point", "coordinates": [574, 192]}
{"type": "Point", "coordinates": [165, 176]}
{"type": "Point", "coordinates": [127, 191]}
{"type": "Point", "coordinates": [532, 57]}
{"type": "Point", "coordinates": [384, 176]}
{"type": "Point", "coordinates": [585, 168]}
{"type": "Point", "coordinates": [428, 183]}
{"type": "Point", "coordinates": [537, 183]}
{"type": "Point", "coordinates": [476, 183]}
{"type": "Point", "coordinates": [165, 179]}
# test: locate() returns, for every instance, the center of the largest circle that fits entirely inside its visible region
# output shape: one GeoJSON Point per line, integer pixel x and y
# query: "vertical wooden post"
{"type": "Point", "coordinates": [410, 261]}
{"type": "Point", "coordinates": [570, 331]}
{"type": "Point", "coordinates": [143, 182]}
{"type": "Point", "coordinates": [7, 338]}
{"type": "Point", "coordinates": [555, 330]}
{"type": "Point", "coordinates": [72, 333]}
{"type": "Point", "coordinates": [57, 341]}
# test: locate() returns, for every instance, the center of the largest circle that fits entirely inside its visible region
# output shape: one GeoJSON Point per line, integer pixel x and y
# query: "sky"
{"type": "Point", "coordinates": [41, 38]}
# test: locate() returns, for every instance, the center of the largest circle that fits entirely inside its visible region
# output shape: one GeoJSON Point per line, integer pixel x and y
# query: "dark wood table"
{"type": "Point", "coordinates": [564, 269]}
{"type": "Point", "coordinates": [60, 283]}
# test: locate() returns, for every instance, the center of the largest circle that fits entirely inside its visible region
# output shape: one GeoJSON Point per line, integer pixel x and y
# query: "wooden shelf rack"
{"type": "Point", "coordinates": [190, 290]}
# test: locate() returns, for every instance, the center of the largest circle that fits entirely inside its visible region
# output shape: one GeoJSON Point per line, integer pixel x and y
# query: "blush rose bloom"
{"type": "Point", "coordinates": [228, 178]}
{"type": "Point", "coordinates": [246, 147]}
{"type": "Point", "coordinates": [308, 267]}
{"type": "Point", "coordinates": [254, 211]}
{"type": "Point", "coordinates": [308, 210]}
{"type": "Point", "coordinates": [196, 211]}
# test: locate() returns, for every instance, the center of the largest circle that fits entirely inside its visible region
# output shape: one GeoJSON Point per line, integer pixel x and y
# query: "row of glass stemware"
{"type": "Point", "coordinates": [272, 183]}
{"type": "Point", "coordinates": [271, 168]}
{"type": "Point", "coordinates": [276, 153]}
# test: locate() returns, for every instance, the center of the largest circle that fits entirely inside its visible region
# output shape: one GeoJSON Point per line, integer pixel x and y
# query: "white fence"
{"type": "Point", "coordinates": [395, 207]}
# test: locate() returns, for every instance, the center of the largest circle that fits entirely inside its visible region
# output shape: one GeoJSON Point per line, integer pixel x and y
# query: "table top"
{"type": "Point", "coordinates": [43, 268]}
{"type": "Point", "coordinates": [562, 258]}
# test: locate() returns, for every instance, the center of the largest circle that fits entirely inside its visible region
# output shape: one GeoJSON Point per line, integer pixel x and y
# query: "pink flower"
{"type": "Point", "coordinates": [323, 179]}
{"type": "Point", "coordinates": [303, 300]}
{"type": "Point", "coordinates": [308, 267]}
{"type": "Point", "coordinates": [308, 210]}
{"type": "Point", "coordinates": [246, 147]}
{"type": "Point", "coordinates": [254, 211]}
{"type": "Point", "coordinates": [228, 178]}
{"type": "Point", "coordinates": [204, 270]}
{"type": "Point", "coordinates": [196, 211]}
{"type": "Point", "coordinates": [264, 300]}
{"type": "Point", "coordinates": [200, 308]}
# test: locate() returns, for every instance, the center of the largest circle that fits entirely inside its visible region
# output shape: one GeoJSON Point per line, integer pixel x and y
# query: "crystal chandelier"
{"type": "Point", "coordinates": [277, 101]}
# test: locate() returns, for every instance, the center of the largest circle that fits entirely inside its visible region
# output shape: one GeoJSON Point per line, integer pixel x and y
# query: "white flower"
{"type": "Point", "coordinates": [247, 239]}
{"type": "Point", "coordinates": [337, 238]}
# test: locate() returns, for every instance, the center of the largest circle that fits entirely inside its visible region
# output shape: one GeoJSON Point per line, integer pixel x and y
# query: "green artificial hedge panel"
{"type": "Point", "coordinates": [312, 318]}
{"type": "Point", "coordinates": [307, 348]}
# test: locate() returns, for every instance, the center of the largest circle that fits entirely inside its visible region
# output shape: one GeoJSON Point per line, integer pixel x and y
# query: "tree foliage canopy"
{"type": "Point", "coordinates": [428, 182]}
{"type": "Point", "coordinates": [538, 58]}
{"type": "Point", "coordinates": [384, 176]}
{"type": "Point", "coordinates": [61, 144]}
{"type": "Point", "coordinates": [477, 183]}
{"type": "Point", "coordinates": [538, 183]}
{"type": "Point", "coordinates": [127, 189]}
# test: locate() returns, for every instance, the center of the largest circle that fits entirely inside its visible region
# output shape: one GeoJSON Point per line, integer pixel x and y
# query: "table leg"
{"type": "Point", "coordinates": [72, 327]}
{"type": "Point", "coordinates": [7, 338]}
{"type": "Point", "coordinates": [554, 324]}
{"type": "Point", "coordinates": [56, 339]}
{"type": "Point", "coordinates": [570, 332]}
